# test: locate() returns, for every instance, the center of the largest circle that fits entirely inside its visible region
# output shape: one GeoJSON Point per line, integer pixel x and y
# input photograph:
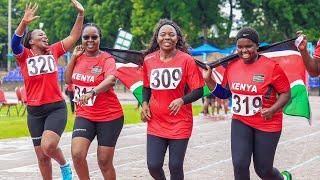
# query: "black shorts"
{"type": "Point", "coordinates": [107, 132]}
{"type": "Point", "coordinates": [52, 116]}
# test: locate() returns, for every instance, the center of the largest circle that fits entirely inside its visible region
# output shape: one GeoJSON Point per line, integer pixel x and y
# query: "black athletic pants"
{"type": "Point", "coordinates": [156, 150]}
{"type": "Point", "coordinates": [246, 142]}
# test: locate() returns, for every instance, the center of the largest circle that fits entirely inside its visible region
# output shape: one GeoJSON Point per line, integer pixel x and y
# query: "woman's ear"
{"type": "Point", "coordinates": [30, 41]}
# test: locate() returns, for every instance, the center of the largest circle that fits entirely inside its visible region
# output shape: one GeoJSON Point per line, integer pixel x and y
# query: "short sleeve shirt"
{"type": "Point", "coordinates": [88, 73]}
{"type": "Point", "coordinates": [40, 73]}
{"type": "Point", "coordinates": [169, 81]}
{"type": "Point", "coordinates": [255, 86]}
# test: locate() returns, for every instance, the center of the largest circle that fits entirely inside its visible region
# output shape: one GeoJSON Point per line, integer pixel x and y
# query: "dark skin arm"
{"type": "Point", "coordinates": [282, 100]}
{"type": "Point", "coordinates": [312, 64]}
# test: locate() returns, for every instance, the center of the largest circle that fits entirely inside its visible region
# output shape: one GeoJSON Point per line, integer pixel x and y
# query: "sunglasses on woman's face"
{"type": "Point", "coordinates": [86, 37]}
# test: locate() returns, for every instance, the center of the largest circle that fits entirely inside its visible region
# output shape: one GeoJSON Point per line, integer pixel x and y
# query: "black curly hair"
{"type": "Point", "coordinates": [154, 46]}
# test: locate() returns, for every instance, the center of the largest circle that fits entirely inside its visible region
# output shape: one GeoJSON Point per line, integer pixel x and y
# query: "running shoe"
{"type": "Point", "coordinates": [66, 172]}
{"type": "Point", "coordinates": [286, 175]}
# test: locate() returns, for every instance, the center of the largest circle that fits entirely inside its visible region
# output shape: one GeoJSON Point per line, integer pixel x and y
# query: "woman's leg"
{"type": "Point", "coordinates": [156, 150]}
{"type": "Point", "coordinates": [79, 151]}
{"type": "Point", "coordinates": [54, 126]}
{"type": "Point", "coordinates": [107, 136]}
{"type": "Point", "coordinates": [265, 145]}
{"type": "Point", "coordinates": [241, 149]}
{"type": "Point", "coordinates": [36, 128]}
{"type": "Point", "coordinates": [177, 151]}
{"type": "Point", "coordinates": [83, 133]}
{"type": "Point", "coordinates": [44, 163]}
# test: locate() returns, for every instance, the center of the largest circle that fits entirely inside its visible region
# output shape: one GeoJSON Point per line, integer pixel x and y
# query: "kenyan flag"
{"type": "Point", "coordinates": [129, 72]}
{"type": "Point", "coordinates": [291, 62]}
{"type": "Point", "coordinates": [289, 58]}
{"type": "Point", "coordinates": [129, 69]}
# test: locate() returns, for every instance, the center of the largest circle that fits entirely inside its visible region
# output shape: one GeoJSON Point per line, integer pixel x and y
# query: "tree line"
{"type": "Point", "coordinates": [275, 20]}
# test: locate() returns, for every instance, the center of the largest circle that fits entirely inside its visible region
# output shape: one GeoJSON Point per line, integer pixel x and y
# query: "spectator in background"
{"type": "Point", "coordinates": [69, 91]}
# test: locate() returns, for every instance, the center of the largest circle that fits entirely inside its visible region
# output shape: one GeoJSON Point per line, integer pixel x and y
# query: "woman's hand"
{"type": "Point", "coordinates": [207, 73]}
{"type": "Point", "coordinates": [84, 98]}
{"type": "Point", "coordinates": [145, 112]}
{"type": "Point", "coordinates": [303, 45]}
{"type": "Point", "coordinates": [78, 6]}
{"type": "Point", "coordinates": [78, 50]}
{"type": "Point", "coordinates": [207, 76]}
{"type": "Point", "coordinates": [175, 106]}
{"type": "Point", "coordinates": [267, 113]}
{"type": "Point", "coordinates": [29, 13]}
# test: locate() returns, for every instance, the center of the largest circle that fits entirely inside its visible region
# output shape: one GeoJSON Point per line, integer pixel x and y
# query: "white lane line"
{"type": "Point", "coordinates": [229, 159]}
{"type": "Point", "coordinates": [24, 168]}
{"type": "Point", "coordinates": [304, 163]}
{"type": "Point", "coordinates": [301, 137]}
{"type": "Point", "coordinates": [208, 166]}
{"type": "Point", "coordinates": [6, 156]}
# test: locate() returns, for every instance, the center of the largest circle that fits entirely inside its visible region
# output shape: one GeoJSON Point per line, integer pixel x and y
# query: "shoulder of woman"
{"type": "Point", "coordinates": [150, 56]}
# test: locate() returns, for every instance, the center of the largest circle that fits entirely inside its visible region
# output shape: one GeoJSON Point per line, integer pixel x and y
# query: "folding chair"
{"type": "Point", "coordinates": [6, 103]}
{"type": "Point", "coordinates": [23, 99]}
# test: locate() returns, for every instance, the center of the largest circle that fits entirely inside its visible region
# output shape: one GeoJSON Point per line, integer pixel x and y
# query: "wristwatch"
{"type": "Point", "coordinates": [93, 92]}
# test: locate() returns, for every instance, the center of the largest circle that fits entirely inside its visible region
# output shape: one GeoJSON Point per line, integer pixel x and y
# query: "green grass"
{"type": "Point", "coordinates": [16, 126]}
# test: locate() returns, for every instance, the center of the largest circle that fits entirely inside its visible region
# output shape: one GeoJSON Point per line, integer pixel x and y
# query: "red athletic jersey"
{"type": "Point", "coordinates": [40, 75]}
{"type": "Point", "coordinates": [168, 81]}
{"type": "Point", "coordinates": [254, 86]}
{"type": "Point", "coordinates": [317, 50]}
{"type": "Point", "coordinates": [89, 72]}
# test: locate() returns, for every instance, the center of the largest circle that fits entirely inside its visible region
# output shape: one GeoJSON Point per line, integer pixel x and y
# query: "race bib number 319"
{"type": "Point", "coordinates": [246, 105]}
{"type": "Point", "coordinates": [165, 78]}
{"type": "Point", "coordinates": [43, 64]}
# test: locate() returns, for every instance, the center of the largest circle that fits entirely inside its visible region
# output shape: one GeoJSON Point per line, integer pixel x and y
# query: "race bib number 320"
{"type": "Point", "coordinates": [81, 90]}
{"type": "Point", "coordinates": [246, 105]}
{"type": "Point", "coordinates": [43, 64]}
{"type": "Point", "coordinates": [165, 78]}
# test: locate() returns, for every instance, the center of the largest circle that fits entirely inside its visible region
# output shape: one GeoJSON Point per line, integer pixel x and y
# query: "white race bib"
{"type": "Point", "coordinates": [81, 90]}
{"type": "Point", "coordinates": [246, 105]}
{"type": "Point", "coordinates": [165, 78]}
{"type": "Point", "coordinates": [42, 64]}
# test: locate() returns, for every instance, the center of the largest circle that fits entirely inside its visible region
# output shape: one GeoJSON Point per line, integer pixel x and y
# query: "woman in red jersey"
{"type": "Point", "coordinates": [259, 89]}
{"type": "Point", "coordinates": [98, 110]}
{"type": "Point", "coordinates": [312, 64]}
{"type": "Point", "coordinates": [171, 82]}
{"type": "Point", "coordinates": [47, 112]}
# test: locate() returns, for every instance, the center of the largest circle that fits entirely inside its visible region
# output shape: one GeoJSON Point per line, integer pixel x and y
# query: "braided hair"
{"type": "Point", "coordinates": [154, 46]}
{"type": "Point", "coordinates": [92, 25]}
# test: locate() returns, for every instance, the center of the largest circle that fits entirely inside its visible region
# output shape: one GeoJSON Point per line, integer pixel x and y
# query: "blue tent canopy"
{"type": "Point", "coordinates": [204, 49]}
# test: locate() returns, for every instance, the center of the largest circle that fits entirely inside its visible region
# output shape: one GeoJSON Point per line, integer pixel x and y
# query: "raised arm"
{"type": "Point", "coordinates": [69, 70]}
{"type": "Point", "coordinates": [311, 64]}
{"type": "Point", "coordinates": [75, 33]}
{"type": "Point", "coordinates": [28, 17]}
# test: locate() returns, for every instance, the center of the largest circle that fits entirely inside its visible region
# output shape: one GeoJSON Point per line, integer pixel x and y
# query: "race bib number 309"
{"type": "Point", "coordinates": [165, 78]}
{"type": "Point", "coordinates": [43, 64]}
{"type": "Point", "coordinates": [81, 90]}
{"type": "Point", "coordinates": [246, 105]}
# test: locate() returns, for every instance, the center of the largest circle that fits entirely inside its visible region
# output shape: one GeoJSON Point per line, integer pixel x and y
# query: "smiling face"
{"type": "Point", "coordinates": [39, 39]}
{"type": "Point", "coordinates": [167, 38]}
{"type": "Point", "coordinates": [90, 39]}
{"type": "Point", "coordinates": [247, 50]}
